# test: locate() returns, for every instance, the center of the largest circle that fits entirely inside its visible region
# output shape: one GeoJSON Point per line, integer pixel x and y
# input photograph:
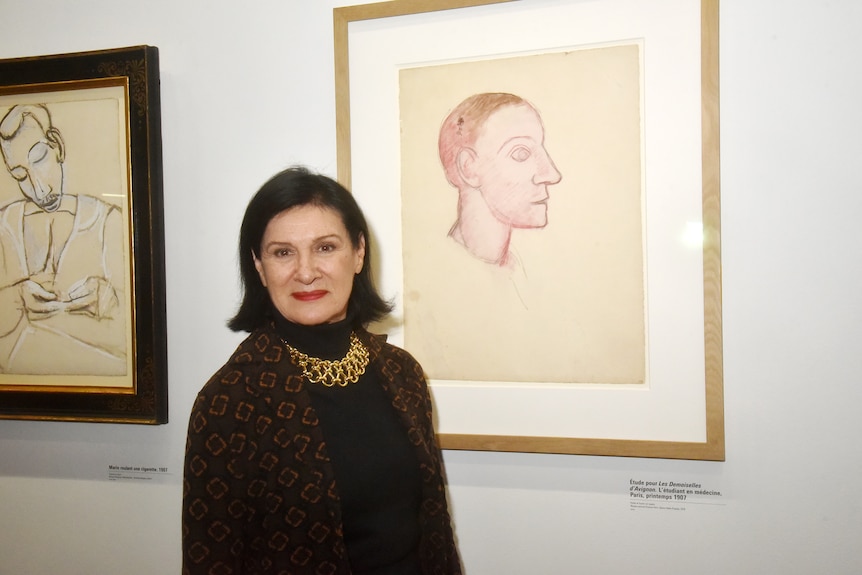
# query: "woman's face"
{"type": "Point", "coordinates": [307, 263]}
{"type": "Point", "coordinates": [513, 169]}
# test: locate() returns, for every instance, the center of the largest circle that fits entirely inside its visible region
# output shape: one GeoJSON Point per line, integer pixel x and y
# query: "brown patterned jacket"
{"type": "Point", "coordinates": [259, 493]}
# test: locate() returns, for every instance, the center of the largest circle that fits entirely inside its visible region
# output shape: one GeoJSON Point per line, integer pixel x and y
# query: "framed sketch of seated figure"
{"type": "Point", "coordinates": [82, 326]}
{"type": "Point", "coordinates": [63, 260]}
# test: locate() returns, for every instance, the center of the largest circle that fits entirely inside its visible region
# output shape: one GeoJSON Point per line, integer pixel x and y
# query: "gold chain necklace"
{"type": "Point", "coordinates": [330, 372]}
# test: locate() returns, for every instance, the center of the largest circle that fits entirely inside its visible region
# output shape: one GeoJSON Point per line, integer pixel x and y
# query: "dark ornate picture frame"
{"type": "Point", "coordinates": [143, 396]}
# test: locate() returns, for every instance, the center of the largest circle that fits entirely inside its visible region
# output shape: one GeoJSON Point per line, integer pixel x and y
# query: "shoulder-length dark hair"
{"type": "Point", "coordinates": [288, 189]}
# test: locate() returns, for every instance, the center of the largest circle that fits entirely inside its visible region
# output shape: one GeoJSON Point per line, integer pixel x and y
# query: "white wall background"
{"type": "Point", "coordinates": [792, 257]}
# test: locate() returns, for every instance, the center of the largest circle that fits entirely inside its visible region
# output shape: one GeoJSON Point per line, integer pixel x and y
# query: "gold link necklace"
{"type": "Point", "coordinates": [331, 372]}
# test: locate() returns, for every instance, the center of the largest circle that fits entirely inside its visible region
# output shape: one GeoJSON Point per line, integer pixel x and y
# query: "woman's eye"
{"type": "Point", "coordinates": [283, 252]}
{"type": "Point", "coordinates": [327, 248]}
{"type": "Point", "coordinates": [520, 154]}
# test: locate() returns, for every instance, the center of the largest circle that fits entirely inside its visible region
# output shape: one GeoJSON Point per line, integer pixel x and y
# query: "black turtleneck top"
{"type": "Point", "coordinates": [376, 470]}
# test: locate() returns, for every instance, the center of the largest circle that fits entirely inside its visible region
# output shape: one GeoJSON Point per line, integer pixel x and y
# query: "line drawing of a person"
{"type": "Point", "coordinates": [61, 261]}
{"type": "Point", "coordinates": [492, 149]}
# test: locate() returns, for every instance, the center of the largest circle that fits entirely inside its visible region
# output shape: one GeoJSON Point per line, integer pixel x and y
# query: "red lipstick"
{"type": "Point", "coordinates": [308, 295]}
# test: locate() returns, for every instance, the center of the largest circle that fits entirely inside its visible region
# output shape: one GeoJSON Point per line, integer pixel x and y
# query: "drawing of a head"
{"type": "Point", "coordinates": [494, 143]}
{"type": "Point", "coordinates": [34, 153]}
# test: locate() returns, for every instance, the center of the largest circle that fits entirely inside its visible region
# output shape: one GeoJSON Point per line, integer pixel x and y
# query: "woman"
{"type": "Point", "coordinates": [312, 449]}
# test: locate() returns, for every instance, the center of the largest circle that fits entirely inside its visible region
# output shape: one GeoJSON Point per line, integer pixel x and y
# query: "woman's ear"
{"type": "Point", "coordinates": [258, 265]}
{"type": "Point", "coordinates": [360, 253]}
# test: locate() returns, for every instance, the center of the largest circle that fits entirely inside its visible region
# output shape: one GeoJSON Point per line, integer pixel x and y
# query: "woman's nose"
{"type": "Point", "coordinates": [305, 270]}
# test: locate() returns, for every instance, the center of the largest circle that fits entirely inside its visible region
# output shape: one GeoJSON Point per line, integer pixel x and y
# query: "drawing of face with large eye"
{"type": "Point", "coordinates": [509, 165]}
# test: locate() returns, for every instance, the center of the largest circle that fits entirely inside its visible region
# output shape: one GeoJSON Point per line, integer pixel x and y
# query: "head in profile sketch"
{"type": "Point", "coordinates": [492, 150]}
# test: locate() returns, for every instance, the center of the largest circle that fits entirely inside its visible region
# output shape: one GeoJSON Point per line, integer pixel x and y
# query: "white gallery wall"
{"type": "Point", "coordinates": [247, 89]}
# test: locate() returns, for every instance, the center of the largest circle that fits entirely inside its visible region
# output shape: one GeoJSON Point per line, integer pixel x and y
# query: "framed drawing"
{"type": "Point", "coordinates": [82, 282]}
{"type": "Point", "coordinates": [545, 187]}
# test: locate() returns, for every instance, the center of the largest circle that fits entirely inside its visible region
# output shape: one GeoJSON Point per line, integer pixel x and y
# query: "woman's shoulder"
{"type": "Point", "coordinates": [260, 351]}
{"type": "Point", "coordinates": [378, 344]}
{"type": "Point", "coordinates": [389, 354]}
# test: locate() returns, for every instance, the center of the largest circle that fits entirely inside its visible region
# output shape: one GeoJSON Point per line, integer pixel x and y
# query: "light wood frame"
{"type": "Point", "coordinates": [713, 447]}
